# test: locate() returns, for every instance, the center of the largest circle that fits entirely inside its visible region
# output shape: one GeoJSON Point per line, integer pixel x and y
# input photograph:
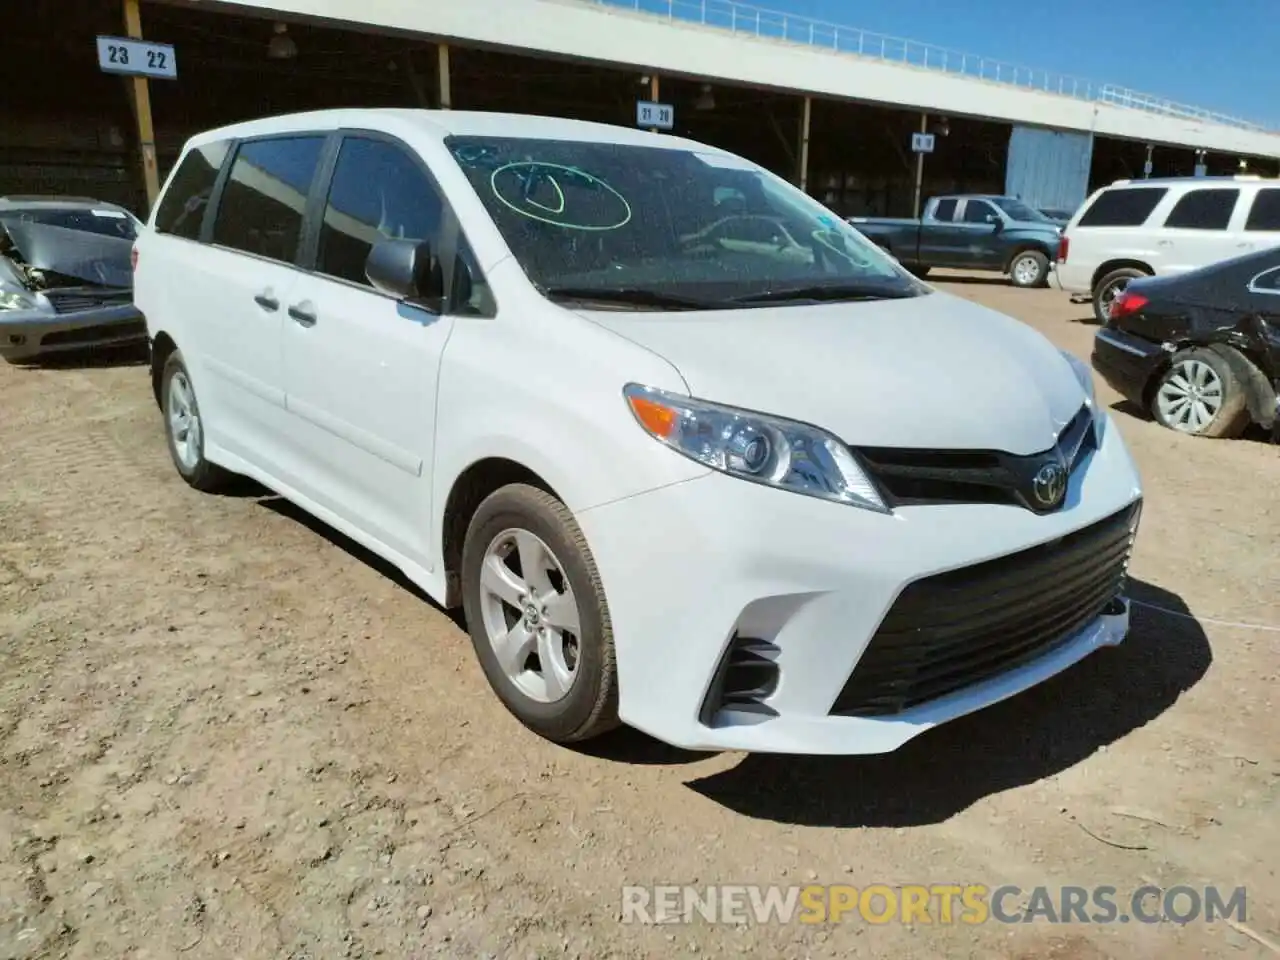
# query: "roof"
{"type": "Point", "coordinates": [445, 123]}
{"type": "Point", "coordinates": [28, 201]}
{"type": "Point", "coordinates": [1167, 181]}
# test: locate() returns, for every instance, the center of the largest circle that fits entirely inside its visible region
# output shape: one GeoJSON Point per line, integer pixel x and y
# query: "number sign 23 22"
{"type": "Point", "coordinates": [136, 58]}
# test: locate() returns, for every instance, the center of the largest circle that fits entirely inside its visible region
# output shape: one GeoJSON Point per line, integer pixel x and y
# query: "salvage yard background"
{"type": "Point", "coordinates": [224, 732]}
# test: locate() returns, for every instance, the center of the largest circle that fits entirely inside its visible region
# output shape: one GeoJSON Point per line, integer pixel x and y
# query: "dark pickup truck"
{"type": "Point", "coordinates": [971, 233]}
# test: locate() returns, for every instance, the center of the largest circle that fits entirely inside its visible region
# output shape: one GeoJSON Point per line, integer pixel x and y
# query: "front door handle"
{"type": "Point", "coordinates": [266, 301]}
{"type": "Point", "coordinates": [304, 313]}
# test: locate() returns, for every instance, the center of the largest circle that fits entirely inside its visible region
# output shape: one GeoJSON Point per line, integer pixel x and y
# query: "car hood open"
{"type": "Point", "coordinates": [95, 259]}
{"type": "Point", "coordinates": [933, 371]}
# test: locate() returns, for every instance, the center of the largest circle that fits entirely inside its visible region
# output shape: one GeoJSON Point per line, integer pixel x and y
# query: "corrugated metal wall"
{"type": "Point", "coordinates": [1049, 168]}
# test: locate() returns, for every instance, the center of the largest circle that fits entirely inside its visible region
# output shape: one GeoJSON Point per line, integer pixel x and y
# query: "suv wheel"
{"type": "Point", "coordinates": [537, 616]}
{"type": "Point", "coordinates": [1030, 268]}
{"type": "Point", "coordinates": [1201, 395]}
{"type": "Point", "coordinates": [1109, 288]}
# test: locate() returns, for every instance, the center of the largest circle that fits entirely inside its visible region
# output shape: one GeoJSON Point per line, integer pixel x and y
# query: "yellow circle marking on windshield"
{"type": "Point", "coordinates": [540, 166]}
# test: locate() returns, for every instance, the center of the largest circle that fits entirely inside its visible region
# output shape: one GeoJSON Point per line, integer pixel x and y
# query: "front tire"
{"type": "Point", "coordinates": [1030, 268]}
{"type": "Point", "coordinates": [1109, 287]}
{"type": "Point", "coordinates": [1199, 394]}
{"type": "Point", "coordinates": [537, 615]}
{"type": "Point", "coordinates": [184, 429]}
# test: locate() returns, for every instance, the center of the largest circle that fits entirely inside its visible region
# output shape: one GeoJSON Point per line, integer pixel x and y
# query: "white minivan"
{"type": "Point", "coordinates": [676, 476]}
{"type": "Point", "coordinates": [1156, 227]}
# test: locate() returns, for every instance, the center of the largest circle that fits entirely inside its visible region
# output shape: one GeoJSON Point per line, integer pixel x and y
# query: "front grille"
{"type": "Point", "coordinates": [746, 676]}
{"type": "Point", "coordinates": [959, 628]}
{"type": "Point", "coordinates": [91, 335]}
{"type": "Point", "coordinates": [912, 477]}
{"type": "Point", "coordinates": [73, 301]}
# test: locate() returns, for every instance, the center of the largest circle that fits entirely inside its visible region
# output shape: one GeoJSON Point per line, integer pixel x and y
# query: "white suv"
{"type": "Point", "coordinates": [703, 487]}
{"type": "Point", "coordinates": [1137, 228]}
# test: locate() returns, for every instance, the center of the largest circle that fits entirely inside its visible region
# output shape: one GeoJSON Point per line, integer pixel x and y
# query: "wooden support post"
{"type": "Point", "coordinates": [140, 101]}
{"type": "Point", "coordinates": [802, 174]}
{"type": "Point", "coordinates": [924, 128]}
{"type": "Point", "coordinates": [442, 62]}
{"type": "Point", "coordinates": [654, 92]}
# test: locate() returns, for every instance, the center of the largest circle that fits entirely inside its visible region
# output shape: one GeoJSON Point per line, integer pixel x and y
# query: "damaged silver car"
{"type": "Point", "coordinates": [66, 277]}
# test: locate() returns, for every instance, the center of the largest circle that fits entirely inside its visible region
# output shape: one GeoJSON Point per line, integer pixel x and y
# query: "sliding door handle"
{"type": "Point", "coordinates": [304, 313]}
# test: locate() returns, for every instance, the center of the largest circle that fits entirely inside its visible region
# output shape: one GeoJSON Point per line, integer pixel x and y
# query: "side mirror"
{"type": "Point", "coordinates": [406, 269]}
{"type": "Point", "coordinates": [996, 223]}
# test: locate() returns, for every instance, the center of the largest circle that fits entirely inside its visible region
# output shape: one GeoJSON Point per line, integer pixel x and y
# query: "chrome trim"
{"type": "Point", "coordinates": [1253, 284]}
{"type": "Point", "coordinates": [1119, 344]}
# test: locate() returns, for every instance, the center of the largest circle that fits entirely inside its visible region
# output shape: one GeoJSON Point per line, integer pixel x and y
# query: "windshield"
{"type": "Point", "coordinates": [670, 226]}
{"type": "Point", "coordinates": [104, 222]}
{"type": "Point", "coordinates": [1017, 210]}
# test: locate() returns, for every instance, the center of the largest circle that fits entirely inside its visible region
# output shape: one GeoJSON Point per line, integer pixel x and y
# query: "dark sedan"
{"type": "Point", "coordinates": [66, 281]}
{"type": "Point", "coordinates": [1200, 350]}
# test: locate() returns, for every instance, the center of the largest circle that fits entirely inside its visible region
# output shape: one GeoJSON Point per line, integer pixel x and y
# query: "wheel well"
{"type": "Point", "coordinates": [161, 347]}
{"type": "Point", "coordinates": [470, 489]}
{"type": "Point", "coordinates": [1110, 265]}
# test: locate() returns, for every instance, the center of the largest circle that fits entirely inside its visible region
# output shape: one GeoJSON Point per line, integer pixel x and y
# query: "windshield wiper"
{"type": "Point", "coordinates": [827, 291]}
{"type": "Point", "coordinates": [634, 296]}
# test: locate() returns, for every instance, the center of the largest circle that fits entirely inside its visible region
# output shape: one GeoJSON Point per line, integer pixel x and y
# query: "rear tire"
{"type": "Point", "coordinates": [1199, 394]}
{"type": "Point", "coordinates": [1109, 287]}
{"type": "Point", "coordinates": [541, 632]}
{"type": "Point", "coordinates": [1028, 269]}
{"type": "Point", "coordinates": [184, 429]}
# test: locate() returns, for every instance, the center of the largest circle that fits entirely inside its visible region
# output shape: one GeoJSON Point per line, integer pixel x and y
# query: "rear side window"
{"type": "Point", "coordinates": [181, 209]}
{"type": "Point", "coordinates": [263, 203]}
{"type": "Point", "coordinates": [1265, 212]}
{"type": "Point", "coordinates": [1267, 282]}
{"type": "Point", "coordinates": [945, 210]}
{"type": "Point", "coordinates": [1124, 207]}
{"type": "Point", "coordinates": [1206, 209]}
{"type": "Point", "coordinates": [378, 190]}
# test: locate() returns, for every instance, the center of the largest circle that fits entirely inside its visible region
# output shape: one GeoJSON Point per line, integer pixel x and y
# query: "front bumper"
{"type": "Point", "coordinates": [26, 334]}
{"type": "Point", "coordinates": [688, 567]}
{"type": "Point", "coordinates": [1126, 362]}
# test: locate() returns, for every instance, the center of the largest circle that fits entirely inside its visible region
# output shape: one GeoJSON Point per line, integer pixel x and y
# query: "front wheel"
{"type": "Point", "coordinates": [537, 616]}
{"type": "Point", "coordinates": [1201, 395]}
{"type": "Point", "coordinates": [1030, 268]}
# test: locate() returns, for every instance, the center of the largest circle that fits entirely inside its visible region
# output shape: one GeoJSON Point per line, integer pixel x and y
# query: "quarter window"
{"type": "Point", "coordinates": [378, 191]}
{"type": "Point", "coordinates": [1268, 281]}
{"type": "Point", "coordinates": [181, 209]}
{"type": "Point", "coordinates": [265, 199]}
{"type": "Point", "coordinates": [1265, 212]}
{"type": "Point", "coordinates": [1124, 207]}
{"type": "Point", "coordinates": [1205, 209]}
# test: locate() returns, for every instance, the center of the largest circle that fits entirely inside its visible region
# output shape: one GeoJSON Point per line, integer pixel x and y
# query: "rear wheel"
{"type": "Point", "coordinates": [1201, 395]}
{"type": "Point", "coordinates": [1030, 268]}
{"type": "Point", "coordinates": [184, 429]}
{"type": "Point", "coordinates": [1110, 287]}
{"type": "Point", "coordinates": [537, 616]}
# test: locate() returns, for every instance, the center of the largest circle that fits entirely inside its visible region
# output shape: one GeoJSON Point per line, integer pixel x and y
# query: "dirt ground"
{"type": "Point", "coordinates": [226, 733]}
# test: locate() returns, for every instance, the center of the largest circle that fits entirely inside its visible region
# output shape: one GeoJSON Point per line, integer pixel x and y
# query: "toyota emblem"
{"type": "Point", "coordinates": [1049, 485]}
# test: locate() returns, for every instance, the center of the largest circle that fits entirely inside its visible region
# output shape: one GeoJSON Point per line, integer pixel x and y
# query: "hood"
{"type": "Point", "coordinates": [933, 371]}
{"type": "Point", "coordinates": [94, 258]}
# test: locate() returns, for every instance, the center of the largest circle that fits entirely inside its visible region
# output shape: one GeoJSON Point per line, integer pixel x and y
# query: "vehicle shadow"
{"type": "Point", "coordinates": [1029, 737]}
{"type": "Point", "coordinates": [286, 508]}
{"type": "Point", "coordinates": [1254, 433]}
{"type": "Point", "coordinates": [1130, 409]}
{"type": "Point", "coordinates": [89, 358]}
{"type": "Point", "coordinates": [987, 280]}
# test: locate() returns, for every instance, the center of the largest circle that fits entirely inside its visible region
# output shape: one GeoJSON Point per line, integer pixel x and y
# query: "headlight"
{"type": "Point", "coordinates": [1085, 376]}
{"type": "Point", "coordinates": [752, 446]}
{"type": "Point", "coordinates": [12, 300]}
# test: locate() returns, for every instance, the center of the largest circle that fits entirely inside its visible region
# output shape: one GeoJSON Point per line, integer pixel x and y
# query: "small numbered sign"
{"type": "Point", "coordinates": [922, 143]}
{"type": "Point", "coordinates": [137, 58]}
{"type": "Point", "coordinates": [660, 115]}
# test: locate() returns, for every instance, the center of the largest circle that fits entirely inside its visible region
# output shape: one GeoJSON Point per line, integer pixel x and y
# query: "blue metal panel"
{"type": "Point", "coordinates": [1048, 168]}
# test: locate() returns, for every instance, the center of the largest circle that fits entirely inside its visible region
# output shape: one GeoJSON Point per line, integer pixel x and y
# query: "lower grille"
{"type": "Point", "coordinates": [90, 335]}
{"type": "Point", "coordinates": [747, 675]}
{"type": "Point", "coordinates": [73, 301]}
{"type": "Point", "coordinates": [956, 629]}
